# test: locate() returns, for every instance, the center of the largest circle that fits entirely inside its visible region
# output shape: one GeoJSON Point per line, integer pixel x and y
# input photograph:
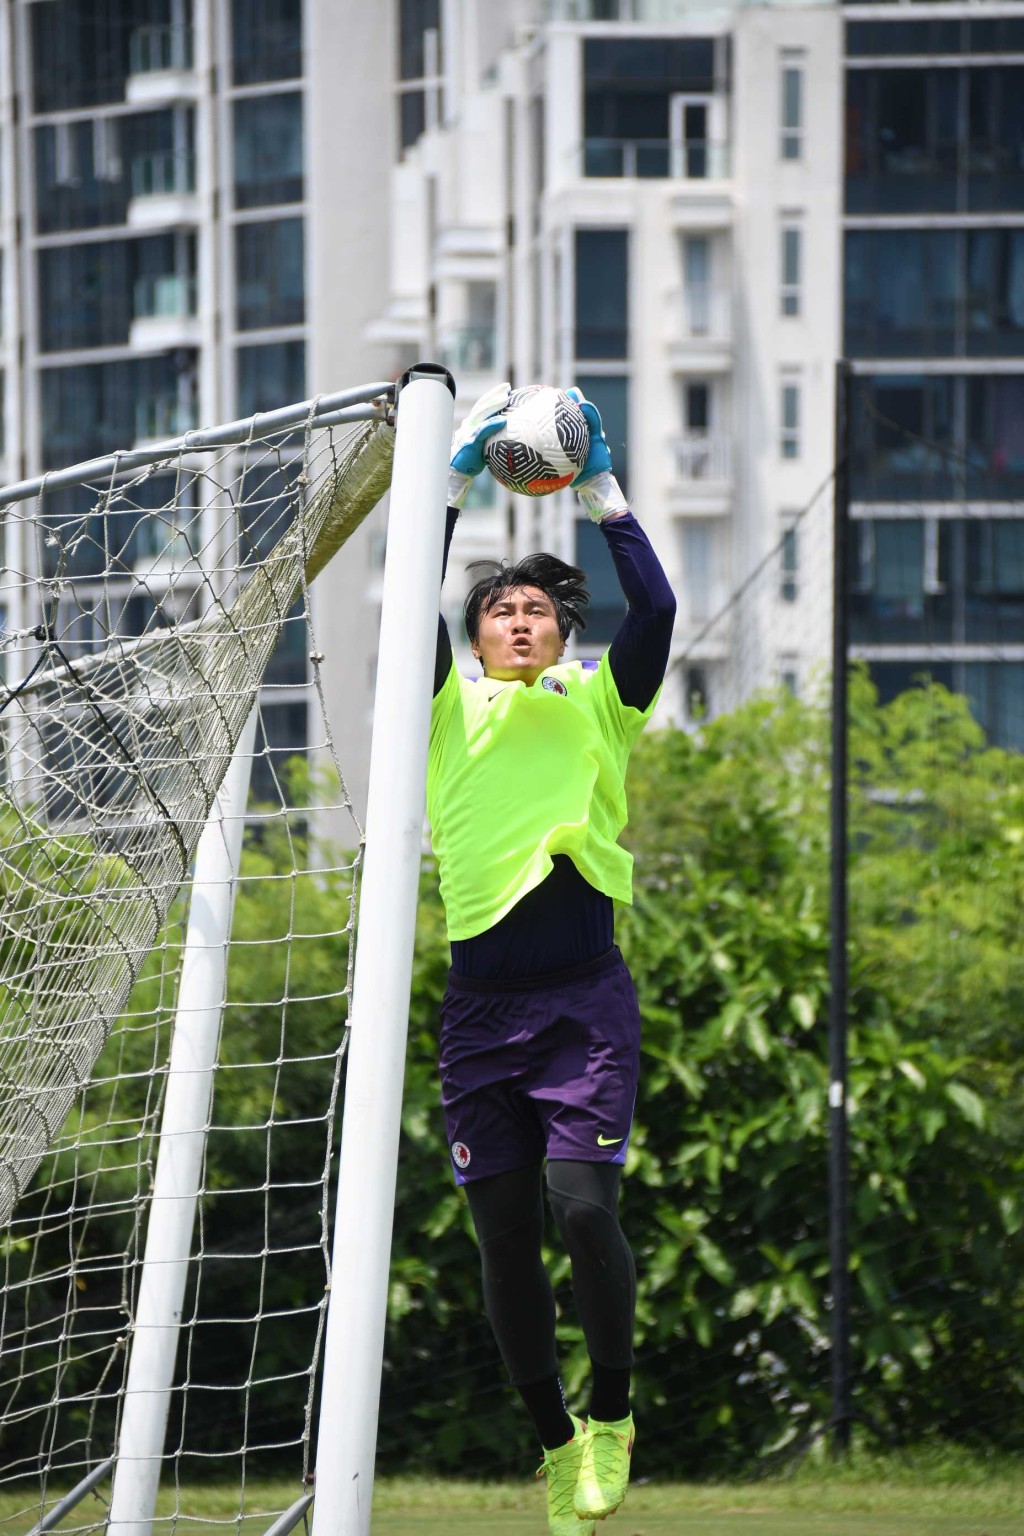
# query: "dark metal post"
{"type": "Point", "coordinates": [838, 1169]}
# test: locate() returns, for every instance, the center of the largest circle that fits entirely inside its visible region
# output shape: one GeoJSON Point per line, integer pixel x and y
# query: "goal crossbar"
{"type": "Point", "coordinates": [366, 403]}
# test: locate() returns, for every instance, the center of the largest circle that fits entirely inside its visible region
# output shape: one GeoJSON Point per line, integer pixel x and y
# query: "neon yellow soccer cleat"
{"type": "Point", "coordinates": [561, 1468]}
{"type": "Point", "coordinates": [604, 1469]}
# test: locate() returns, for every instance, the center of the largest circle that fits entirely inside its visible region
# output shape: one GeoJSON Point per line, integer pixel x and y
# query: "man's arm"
{"type": "Point", "coordinates": [639, 652]}
{"type": "Point", "coordinates": [638, 655]}
{"type": "Point", "coordinates": [467, 461]}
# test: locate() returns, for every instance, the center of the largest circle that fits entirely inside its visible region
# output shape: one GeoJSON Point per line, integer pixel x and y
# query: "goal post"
{"type": "Point", "coordinates": [361, 1251]}
{"type": "Point", "coordinates": [119, 724]}
{"type": "Point", "coordinates": [182, 1142]}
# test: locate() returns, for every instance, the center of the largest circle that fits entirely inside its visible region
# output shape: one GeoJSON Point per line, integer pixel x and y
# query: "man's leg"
{"type": "Point", "coordinates": [584, 1199]}
{"type": "Point", "coordinates": [508, 1214]}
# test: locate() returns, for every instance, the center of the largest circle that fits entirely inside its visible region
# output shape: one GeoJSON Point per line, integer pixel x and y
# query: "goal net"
{"type": "Point", "coordinates": [156, 607]}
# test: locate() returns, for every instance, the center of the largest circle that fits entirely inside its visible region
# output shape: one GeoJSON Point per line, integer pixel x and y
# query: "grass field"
{"type": "Point", "coordinates": [926, 1494]}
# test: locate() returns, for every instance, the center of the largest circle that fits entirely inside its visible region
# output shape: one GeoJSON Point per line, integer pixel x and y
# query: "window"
{"type": "Point", "coordinates": [607, 604]}
{"type": "Point", "coordinates": [789, 437]}
{"type": "Point", "coordinates": [905, 445]}
{"type": "Point", "coordinates": [702, 583]}
{"type": "Point", "coordinates": [792, 114]}
{"type": "Point", "coordinates": [995, 436]}
{"type": "Point", "coordinates": [697, 407]}
{"type": "Point", "coordinates": [610, 393]}
{"type": "Point", "coordinates": [789, 676]}
{"type": "Point", "coordinates": [419, 67]}
{"type": "Point", "coordinates": [900, 293]}
{"type": "Point", "coordinates": [697, 285]}
{"type": "Point", "coordinates": [629, 87]}
{"type": "Point", "coordinates": [995, 292]}
{"type": "Point", "coordinates": [80, 53]}
{"type": "Point", "coordinates": [268, 150]}
{"type": "Point", "coordinates": [269, 264]}
{"type": "Point", "coordinates": [792, 263]}
{"type": "Point", "coordinates": [789, 565]}
{"type": "Point", "coordinates": [271, 375]}
{"type": "Point", "coordinates": [266, 38]}
{"type": "Point", "coordinates": [602, 293]}
{"type": "Point", "coordinates": [996, 693]}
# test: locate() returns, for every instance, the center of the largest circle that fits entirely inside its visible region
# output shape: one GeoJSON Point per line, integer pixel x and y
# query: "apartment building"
{"type": "Point", "coordinates": [934, 319]}
{"type": "Point", "coordinates": [643, 199]}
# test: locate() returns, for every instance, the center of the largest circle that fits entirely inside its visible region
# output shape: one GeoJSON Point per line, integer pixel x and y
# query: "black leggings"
{"type": "Point", "coordinates": [508, 1213]}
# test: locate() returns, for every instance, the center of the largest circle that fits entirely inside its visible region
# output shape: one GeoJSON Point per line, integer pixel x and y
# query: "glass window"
{"type": "Point", "coordinates": [792, 265]}
{"type": "Point", "coordinates": [81, 53]}
{"type": "Point", "coordinates": [270, 376]}
{"type": "Point", "coordinates": [903, 438]}
{"type": "Point", "coordinates": [607, 604]}
{"type": "Point", "coordinates": [995, 138]}
{"type": "Point", "coordinates": [789, 565]}
{"type": "Point", "coordinates": [269, 273]}
{"type": "Point", "coordinates": [900, 293]}
{"type": "Point", "coordinates": [903, 140]}
{"type": "Point", "coordinates": [610, 393]}
{"type": "Point", "coordinates": [995, 292]}
{"type": "Point", "coordinates": [266, 38]}
{"type": "Point", "coordinates": [995, 436]}
{"type": "Point", "coordinates": [697, 406]}
{"type": "Point", "coordinates": [415, 19]}
{"type": "Point", "coordinates": [792, 115]}
{"type": "Point", "coordinates": [93, 408]}
{"type": "Point", "coordinates": [412, 117]}
{"type": "Point", "coordinates": [268, 150]}
{"type": "Point", "coordinates": [629, 86]}
{"type": "Point", "coordinates": [89, 294]}
{"type": "Point", "coordinates": [699, 582]}
{"type": "Point", "coordinates": [789, 437]}
{"type": "Point", "coordinates": [602, 293]}
{"type": "Point", "coordinates": [996, 694]}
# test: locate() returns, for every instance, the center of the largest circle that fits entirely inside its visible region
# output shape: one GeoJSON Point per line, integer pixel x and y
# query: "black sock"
{"type": "Point", "coordinates": [545, 1404]}
{"type": "Point", "coordinates": [609, 1396]}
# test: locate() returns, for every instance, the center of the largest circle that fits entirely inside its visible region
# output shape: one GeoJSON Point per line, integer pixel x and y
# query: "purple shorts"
{"type": "Point", "coordinates": [543, 1067]}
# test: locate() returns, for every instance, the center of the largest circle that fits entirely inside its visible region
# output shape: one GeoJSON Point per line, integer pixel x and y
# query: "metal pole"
{"type": "Point", "coordinates": [838, 1180]}
{"type": "Point", "coordinates": [154, 1339]}
{"type": "Point", "coordinates": [91, 1480]}
{"type": "Point", "coordinates": [354, 1344]}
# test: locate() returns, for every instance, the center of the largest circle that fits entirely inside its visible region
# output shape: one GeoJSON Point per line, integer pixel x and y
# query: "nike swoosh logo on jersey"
{"type": "Point", "coordinates": [609, 1141]}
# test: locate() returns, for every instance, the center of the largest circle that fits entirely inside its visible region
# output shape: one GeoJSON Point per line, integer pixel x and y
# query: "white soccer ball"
{"type": "Point", "coordinates": [543, 444]}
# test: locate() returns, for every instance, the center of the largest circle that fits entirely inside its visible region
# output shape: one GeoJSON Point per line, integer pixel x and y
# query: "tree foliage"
{"type": "Point", "coordinates": [726, 1196]}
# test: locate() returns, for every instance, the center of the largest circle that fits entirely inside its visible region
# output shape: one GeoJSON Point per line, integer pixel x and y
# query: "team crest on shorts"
{"type": "Point", "coordinates": [554, 685]}
{"type": "Point", "coordinates": [460, 1154]}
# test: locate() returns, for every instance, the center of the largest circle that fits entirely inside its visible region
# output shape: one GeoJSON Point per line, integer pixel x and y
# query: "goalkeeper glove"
{"type": "Point", "coordinates": [597, 488]}
{"type": "Point", "coordinates": [485, 418]}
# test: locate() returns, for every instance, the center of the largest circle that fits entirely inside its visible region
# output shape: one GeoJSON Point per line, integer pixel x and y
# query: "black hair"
{"type": "Point", "coordinates": [563, 583]}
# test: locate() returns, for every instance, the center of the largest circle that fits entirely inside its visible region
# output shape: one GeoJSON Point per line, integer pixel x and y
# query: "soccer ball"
{"type": "Point", "coordinates": [543, 444]}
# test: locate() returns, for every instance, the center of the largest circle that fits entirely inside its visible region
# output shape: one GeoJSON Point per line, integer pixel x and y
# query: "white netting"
{"type": "Point", "coordinates": [144, 611]}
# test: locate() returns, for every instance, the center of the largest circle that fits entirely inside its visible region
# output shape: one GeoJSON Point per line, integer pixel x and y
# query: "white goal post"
{"type": "Point", "coordinates": [114, 804]}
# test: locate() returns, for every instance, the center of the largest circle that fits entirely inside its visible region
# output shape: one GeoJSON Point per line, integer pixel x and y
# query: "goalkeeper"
{"type": "Point", "coordinates": [540, 1030]}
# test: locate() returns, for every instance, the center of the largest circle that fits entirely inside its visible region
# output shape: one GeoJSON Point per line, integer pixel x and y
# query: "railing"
{"type": "Point", "coordinates": [703, 458]}
{"type": "Point", "coordinates": [654, 11]}
{"type": "Point", "coordinates": [159, 48]}
{"type": "Point", "coordinates": [158, 416]}
{"type": "Point", "coordinates": [656, 159]}
{"type": "Point", "coordinates": [169, 296]}
{"type": "Point", "coordinates": [703, 312]}
{"type": "Point", "coordinates": [161, 173]}
{"type": "Point", "coordinates": [471, 346]}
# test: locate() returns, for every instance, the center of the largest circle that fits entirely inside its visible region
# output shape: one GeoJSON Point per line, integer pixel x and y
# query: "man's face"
{"type": "Point", "coordinates": [518, 636]}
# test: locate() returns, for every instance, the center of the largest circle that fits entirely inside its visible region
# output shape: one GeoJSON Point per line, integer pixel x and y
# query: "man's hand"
{"type": "Point", "coordinates": [485, 418]}
{"type": "Point", "coordinates": [600, 494]}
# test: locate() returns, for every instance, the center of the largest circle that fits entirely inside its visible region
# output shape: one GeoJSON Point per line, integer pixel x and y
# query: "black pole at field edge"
{"type": "Point", "coordinates": [838, 1159]}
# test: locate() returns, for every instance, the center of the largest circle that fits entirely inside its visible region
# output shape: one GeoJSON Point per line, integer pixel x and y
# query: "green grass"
{"type": "Point", "coordinates": [924, 1493]}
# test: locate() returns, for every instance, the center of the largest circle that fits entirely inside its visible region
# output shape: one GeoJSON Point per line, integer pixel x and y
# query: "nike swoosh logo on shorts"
{"type": "Point", "coordinates": [609, 1141]}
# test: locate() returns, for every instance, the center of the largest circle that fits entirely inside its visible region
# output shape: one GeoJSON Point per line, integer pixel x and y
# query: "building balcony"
{"type": "Point", "coordinates": [160, 416]}
{"type": "Point", "coordinates": [472, 348]}
{"type": "Point", "coordinates": [160, 66]}
{"type": "Point", "coordinates": [163, 190]}
{"type": "Point", "coordinates": [654, 159]}
{"type": "Point", "coordinates": [703, 473]}
{"type": "Point", "coordinates": [658, 12]}
{"type": "Point", "coordinates": [700, 328]}
{"type": "Point", "coordinates": [164, 313]}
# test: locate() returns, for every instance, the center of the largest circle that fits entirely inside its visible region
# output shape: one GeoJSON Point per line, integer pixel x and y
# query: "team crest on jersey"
{"type": "Point", "coordinates": [554, 685]}
{"type": "Point", "coordinates": [460, 1154]}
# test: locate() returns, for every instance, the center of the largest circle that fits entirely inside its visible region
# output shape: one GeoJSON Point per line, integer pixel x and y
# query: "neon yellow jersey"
{"type": "Point", "coordinates": [517, 774]}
